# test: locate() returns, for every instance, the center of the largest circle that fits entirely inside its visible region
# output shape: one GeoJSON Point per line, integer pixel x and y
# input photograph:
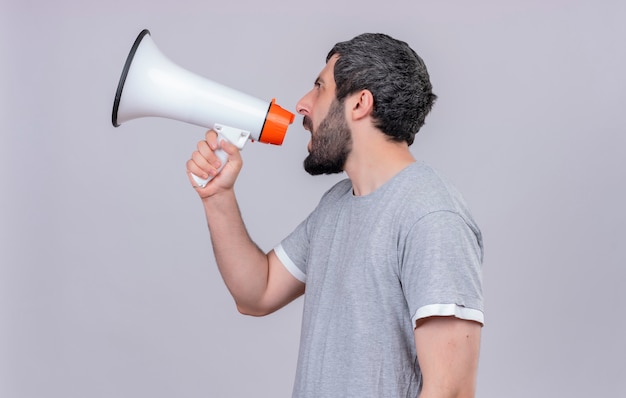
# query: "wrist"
{"type": "Point", "coordinates": [216, 198]}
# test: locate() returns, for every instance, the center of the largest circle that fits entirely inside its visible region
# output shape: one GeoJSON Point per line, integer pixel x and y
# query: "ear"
{"type": "Point", "coordinates": [362, 104]}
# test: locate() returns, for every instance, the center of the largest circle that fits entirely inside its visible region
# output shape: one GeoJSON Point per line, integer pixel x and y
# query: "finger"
{"type": "Point", "coordinates": [193, 181]}
{"type": "Point", "coordinates": [192, 167]}
{"type": "Point", "coordinates": [203, 148]}
{"type": "Point", "coordinates": [211, 139]}
{"type": "Point", "coordinates": [203, 166]}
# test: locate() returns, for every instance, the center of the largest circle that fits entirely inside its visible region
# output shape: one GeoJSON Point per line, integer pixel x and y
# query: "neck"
{"type": "Point", "coordinates": [374, 160]}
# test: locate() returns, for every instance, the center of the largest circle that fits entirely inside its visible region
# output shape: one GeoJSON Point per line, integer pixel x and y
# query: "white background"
{"type": "Point", "coordinates": [108, 286]}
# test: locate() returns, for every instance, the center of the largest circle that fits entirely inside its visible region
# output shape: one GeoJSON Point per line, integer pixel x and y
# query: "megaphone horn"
{"type": "Point", "coordinates": [152, 85]}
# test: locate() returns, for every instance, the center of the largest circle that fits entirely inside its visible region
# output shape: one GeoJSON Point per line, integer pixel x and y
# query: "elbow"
{"type": "Point", "coordinates": [460, 392]}
{"type": "Point", "coordinates": [255, 311]}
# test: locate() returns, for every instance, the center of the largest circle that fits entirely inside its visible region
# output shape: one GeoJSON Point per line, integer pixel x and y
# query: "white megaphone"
{"type": "Point", "coordinates": [152, 85]}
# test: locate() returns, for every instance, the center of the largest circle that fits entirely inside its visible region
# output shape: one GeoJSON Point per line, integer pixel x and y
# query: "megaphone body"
{"type": "Point", "coordinates": [152, 85]}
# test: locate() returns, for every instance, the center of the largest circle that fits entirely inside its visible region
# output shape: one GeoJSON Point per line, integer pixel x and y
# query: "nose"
{"type": "Point", "coordinates": [303, 106]}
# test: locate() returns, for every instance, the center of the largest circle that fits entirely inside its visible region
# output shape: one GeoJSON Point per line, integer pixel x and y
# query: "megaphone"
{"type": "Point", "coordinates": [152, 85]}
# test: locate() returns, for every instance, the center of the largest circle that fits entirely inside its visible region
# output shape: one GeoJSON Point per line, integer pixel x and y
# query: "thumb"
{"type": "Point", "coordinates": [230, 148]}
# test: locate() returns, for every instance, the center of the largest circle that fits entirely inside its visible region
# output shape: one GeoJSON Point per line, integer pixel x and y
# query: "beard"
{"type": "Point", "coordinates": [331, 142]}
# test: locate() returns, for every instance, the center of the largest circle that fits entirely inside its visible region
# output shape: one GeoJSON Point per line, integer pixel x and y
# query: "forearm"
{"type": "Point", "coordinates": [243, 266]}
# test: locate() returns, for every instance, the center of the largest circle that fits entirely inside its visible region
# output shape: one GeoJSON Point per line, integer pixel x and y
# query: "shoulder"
{"type": "Point", "coordinates": [422, 191]}
{"type": "Point", "coordinates": [425, 189]}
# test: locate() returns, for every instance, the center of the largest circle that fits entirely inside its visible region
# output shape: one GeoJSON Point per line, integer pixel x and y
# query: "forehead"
{"type": "Point", "coordinates": [327, 75]}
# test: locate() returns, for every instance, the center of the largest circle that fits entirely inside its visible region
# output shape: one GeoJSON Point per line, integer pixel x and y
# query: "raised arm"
{"type": "Point", "coordinates": [447, 353]}
{"type": "Point", "coordinates": [258, 282]}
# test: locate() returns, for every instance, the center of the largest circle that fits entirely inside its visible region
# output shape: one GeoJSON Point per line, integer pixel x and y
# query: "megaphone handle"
{"type": "Point", "coordinates": [223, 157]}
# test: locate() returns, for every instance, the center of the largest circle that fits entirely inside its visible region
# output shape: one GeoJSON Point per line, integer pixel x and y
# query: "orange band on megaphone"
{"type": "Point", "coordinates": [276, 123]}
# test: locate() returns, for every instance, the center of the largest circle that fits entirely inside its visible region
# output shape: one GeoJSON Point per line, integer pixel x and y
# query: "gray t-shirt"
{"type": "Point", "coordinates": [373, 265]}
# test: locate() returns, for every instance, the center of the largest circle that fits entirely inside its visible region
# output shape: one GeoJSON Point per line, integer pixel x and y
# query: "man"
{"type": "Point", "coordinates": [389, 260]}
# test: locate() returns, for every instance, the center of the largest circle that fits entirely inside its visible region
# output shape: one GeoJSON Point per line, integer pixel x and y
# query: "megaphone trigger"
{"type": "Point", "coordinates": [235, 136]}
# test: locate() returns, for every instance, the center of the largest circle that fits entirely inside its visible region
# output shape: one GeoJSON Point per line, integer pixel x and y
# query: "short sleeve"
{"type": "Point", "coordinates": [441, 268]}
{"type": "Point", "coordinates": [294, 249]}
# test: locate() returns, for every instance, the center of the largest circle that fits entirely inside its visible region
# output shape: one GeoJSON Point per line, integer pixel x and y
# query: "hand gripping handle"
{"type": "Point", "coordinates": [233, 135]}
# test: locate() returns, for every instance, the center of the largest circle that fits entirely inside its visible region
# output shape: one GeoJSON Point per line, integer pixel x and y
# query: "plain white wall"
{"type": "Point", "coordinates": [108, 287]}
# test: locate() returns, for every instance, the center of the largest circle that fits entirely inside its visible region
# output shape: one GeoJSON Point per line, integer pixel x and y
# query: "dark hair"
{"type": "Point", "coordinates": [394, 74]}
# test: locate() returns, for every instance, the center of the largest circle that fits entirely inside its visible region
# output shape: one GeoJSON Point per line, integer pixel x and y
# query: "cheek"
{"type": "Point", "coordinates": [320, 119]}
